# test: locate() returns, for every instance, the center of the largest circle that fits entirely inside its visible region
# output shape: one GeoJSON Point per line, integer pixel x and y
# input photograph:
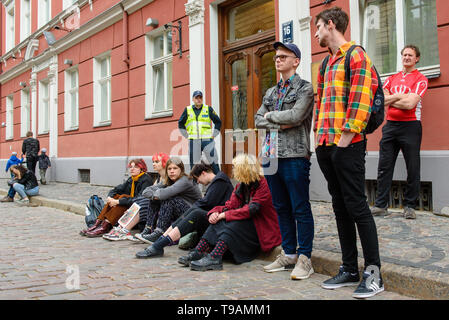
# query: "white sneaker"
{"type": "Point", "coordinates": [303, 268]}
{"type": "Point", "coordinates": [282, 263]}
{"type": "Point", "coordinates": [118, 234]}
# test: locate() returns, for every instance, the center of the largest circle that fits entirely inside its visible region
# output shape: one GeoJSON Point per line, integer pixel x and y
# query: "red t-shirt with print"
{"type": "Point", "coordinates": [413, 82]}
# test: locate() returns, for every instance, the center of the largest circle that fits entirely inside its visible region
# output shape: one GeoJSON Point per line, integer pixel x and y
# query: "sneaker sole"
{"type": "Point", "coordinates": [143, 239]}
{"type": "Point", "coordinates": [367, 295]}
{"type": "Point", "coordinates": [340, 285]}
{"type": "Point", "coordinates": [213, 267]}
{"type": "Point", "coordinates": [303, 277]}
{"type": "Point", "coordinates": [288, 268]}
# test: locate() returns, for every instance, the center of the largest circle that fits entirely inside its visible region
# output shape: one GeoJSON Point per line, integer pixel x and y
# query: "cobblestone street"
{"type": "Point", "coordinates": [41, 252]}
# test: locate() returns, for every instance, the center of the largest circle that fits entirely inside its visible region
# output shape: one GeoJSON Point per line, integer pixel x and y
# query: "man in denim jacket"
{"type": "Point", "coordinates": [286, 113]}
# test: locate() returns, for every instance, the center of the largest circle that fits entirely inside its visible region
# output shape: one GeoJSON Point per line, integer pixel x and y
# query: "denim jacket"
{"type": "Point", "coordinates": [297, 110]}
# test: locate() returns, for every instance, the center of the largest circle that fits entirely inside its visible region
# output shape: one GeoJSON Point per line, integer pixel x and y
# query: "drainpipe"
{"type": "Point", "coordinates": [125, 59]}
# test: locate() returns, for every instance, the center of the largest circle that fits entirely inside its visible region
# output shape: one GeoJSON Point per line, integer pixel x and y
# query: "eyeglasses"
{"type": "Point", "coordinates": [282, 57]}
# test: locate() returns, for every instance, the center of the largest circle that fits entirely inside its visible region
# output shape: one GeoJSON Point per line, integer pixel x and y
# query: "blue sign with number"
{"type": "Point", "coordinates": [287, 32]}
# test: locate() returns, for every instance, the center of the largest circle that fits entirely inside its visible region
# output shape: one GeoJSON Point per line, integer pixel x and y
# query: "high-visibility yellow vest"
{"type": "Point", "coordinates": [200, 128]}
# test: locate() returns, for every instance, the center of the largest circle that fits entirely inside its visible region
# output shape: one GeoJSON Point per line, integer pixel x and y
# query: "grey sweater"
{"type": "Point", "coordinates": [183, 188]}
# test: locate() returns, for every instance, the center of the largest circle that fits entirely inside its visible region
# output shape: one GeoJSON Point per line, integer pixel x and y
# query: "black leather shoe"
{"type": "Point", "coordinates": [192, 256]}
{"type": "Point", "coordinates": [150, 252]}
{"type": "Point", "coordinates": [207, 263]}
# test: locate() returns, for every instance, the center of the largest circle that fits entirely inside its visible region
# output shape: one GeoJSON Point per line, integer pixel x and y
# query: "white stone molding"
{"type": "Point", "coordinates": [195, 11]}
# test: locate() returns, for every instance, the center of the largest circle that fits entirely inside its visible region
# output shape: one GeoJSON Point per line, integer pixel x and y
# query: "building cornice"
{"type": "Point", "coordinates": [91, 27]}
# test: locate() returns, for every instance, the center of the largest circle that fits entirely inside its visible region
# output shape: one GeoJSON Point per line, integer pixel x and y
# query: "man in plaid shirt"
{"type": "Point", "coordinates": [342, 112]}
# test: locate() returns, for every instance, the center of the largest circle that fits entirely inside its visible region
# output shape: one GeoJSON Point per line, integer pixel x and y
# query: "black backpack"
{"type": "Point", "coordinates": [93, 208]}
{"type": "Point", "coordinates": [378, 104]}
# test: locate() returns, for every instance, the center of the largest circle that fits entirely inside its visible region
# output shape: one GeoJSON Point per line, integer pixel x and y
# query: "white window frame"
{"type": "Point", "coordinates": [10, 25]}
{"type": "Point", "coordinates": [98, 81]}
{"type": "Point", "coordinates": [150, 62]}
{"type": "Point", "coordinates": [356, 8]}
{"type": "Point", "coordinates": [9, 135]}
{"type": "Point", "coordinates": [44, 107]}
{"type": "Point", "coordinates": [25, 120]}
{"type": "Point", "coordinates": [67, 3]}
{"type": "Point", "coordinates": [71, 113]}
{"type": "Point", "coordinates": [43, 12]}
{"type": "Point", "coordinates": [25, 19]}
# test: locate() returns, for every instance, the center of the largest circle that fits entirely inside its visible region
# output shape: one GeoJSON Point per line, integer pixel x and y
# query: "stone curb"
{"type": "Point", "coordinates": [413, 282]}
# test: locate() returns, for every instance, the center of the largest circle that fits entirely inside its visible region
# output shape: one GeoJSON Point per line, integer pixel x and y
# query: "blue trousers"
{"type": "Point", "coordinates": [289, 188]}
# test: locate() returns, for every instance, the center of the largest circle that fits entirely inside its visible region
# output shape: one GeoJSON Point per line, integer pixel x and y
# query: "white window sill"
{"type": "Point", "coordinates": [103, 124]}
{"type": "Point", "coordinates": [71, 129]}
{"type": "Point", "coordinates": [162, 114]}
{"type": "Point", "coordinates": [430, 72]}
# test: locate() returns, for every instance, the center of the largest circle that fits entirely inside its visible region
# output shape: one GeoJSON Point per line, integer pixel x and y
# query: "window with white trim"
{"type": "Point", "coordinates": [389, 25]}
{"type": "Point", "coordinates": [159, 72]}
{"type": "Point", "coordinates": [44, 12]}
{"type": "Point", "coordinates": [44, 107]}
{"type": "Point", "coordinates": [67, 3]}
{"type": "Point", "coordinates": [71, 99]}
{"type": "Point", "coordinates": [10, 27]}
{"type": "Point", "coordinates": [24, 112]}
{"type": "Point", "coordinates": [25, 19]}
{"type": "Point", "coordinates": [9, 117]}
{"type": "Point", "coordinates": [102, 90]}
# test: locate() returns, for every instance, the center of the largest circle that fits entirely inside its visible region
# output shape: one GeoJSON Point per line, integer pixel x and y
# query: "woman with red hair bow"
{"type": "Point", "coordinates": [120, 199]}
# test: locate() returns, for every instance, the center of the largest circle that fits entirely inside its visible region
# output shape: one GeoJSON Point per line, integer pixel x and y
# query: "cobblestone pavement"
{"type": "Point", "coordinates": [41, 252]}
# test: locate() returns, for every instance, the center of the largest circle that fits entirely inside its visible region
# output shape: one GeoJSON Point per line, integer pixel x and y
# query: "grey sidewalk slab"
{"type": "Point", "coordinates": [414, 253]}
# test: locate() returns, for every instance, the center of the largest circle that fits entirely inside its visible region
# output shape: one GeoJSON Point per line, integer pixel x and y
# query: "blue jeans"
{"type": "Point", "coordinates": [20, 189]}
{"type": "Point", "coordinates": [197, 147]}
{"type": "Point", "coordinates": [289, 188]}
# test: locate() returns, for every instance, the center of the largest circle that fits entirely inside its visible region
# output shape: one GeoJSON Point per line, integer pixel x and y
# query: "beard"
{"type": "Point", "coordinates": [323, 43]}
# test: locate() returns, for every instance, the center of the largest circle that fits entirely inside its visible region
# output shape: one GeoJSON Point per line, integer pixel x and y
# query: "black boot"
{"type": "Point", "coordinates": [207, 263]}
{"type": "Point", "coordinates": [192, 256]}
{"type": "Point", "coordinates": [150, 252]}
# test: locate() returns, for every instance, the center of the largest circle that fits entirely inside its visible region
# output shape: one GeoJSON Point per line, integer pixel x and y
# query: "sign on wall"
{"type": "Point", "coordinates": [287, 32]}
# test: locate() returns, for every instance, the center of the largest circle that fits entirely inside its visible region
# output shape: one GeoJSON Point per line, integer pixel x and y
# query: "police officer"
{"type": "Point", "coordinates": [195, 124]}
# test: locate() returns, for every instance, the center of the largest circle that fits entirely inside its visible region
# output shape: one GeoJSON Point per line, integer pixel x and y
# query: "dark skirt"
{"type": "Point", "coordinates": [240, 236]}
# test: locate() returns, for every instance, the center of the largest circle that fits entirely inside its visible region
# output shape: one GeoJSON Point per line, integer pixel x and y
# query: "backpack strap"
{"type": "Point", "coordinates": [323, 69]}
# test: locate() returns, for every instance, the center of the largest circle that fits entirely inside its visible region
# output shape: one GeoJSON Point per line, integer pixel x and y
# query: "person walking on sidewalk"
{"type": "Point", "coordinates": [30, 148]}
{"type": "Point", "coordinates": [342, 112]}
{"type": "Point", "coordinates": [195, 125]}
{"type": "Point", "coordinates": [44, 164]}
{"type": "Point", "coordinates": [403, 131]}
{"type": "Point", "coordinates": [287, 110]}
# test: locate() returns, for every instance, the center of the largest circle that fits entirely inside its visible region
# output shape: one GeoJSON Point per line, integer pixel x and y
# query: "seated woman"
{"type": "Point", "coordinates": [120, 199]}
{"type": "Point", "coordinates": [246, 224]}
{"type": "Point", "coordinates": [176, 195]}
{"type": "Point", "coordinates": [195, 219]}
{"type": "Point", "coordinates": [24, 183]}
{"type": "Point", "coordinates": [124, 232]}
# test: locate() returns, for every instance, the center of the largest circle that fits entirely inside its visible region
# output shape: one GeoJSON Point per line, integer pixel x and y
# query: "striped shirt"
{"type": "Point", "coordinates": [344, 106]}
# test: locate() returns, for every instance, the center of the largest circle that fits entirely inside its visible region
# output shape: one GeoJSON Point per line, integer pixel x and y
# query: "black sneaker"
{"type": "Point", "coordinates": [149, 237]}
{"type": "Point", "coordinates": [192, 256]}
{"type": "Point", "coordinates": [369, 286]}
{"type": "Point", "coordinates": [150, 252]}
{"type": "Point", "coordinates": [342, 279]}
{"type": "Point", "coordinates": [207, 263]}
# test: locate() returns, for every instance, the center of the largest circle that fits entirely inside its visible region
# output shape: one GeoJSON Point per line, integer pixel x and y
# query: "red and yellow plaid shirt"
{"type": "Point", "coordinates": [344, 106]}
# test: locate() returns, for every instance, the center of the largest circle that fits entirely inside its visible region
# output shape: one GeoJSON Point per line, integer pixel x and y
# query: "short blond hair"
{"type": "Point", "coordinates": [246, 168]}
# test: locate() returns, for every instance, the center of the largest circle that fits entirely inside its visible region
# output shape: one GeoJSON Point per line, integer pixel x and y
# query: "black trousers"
{"type": "Point", "coordinates": [344, 170]}
{"type": "Point", "coordinates": [405, 136]}
{"type": "Point", "coordinates": [31, 164]}
{"type": "Point", "coordinates": [194, 219]}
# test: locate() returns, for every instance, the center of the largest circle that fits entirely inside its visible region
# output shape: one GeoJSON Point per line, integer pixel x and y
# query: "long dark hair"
{"type": "Point", "coordinates": [22, 170]}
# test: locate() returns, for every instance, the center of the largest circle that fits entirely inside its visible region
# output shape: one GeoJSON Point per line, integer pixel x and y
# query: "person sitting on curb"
{"type": "Point", "coordinates": [246, 224]}
{"type": "Point", "coordinates": [195, 219]}
{"type": "Point", "coordinates": [24, 183]}
{"type": "Point", "coordinates": [13, 160]}
{"type": "Point", "coordinates": [119, 233]}
{"type": "Point", "coordinates": [44, 164]}
{"type": "Point", "coordinates": [120, 199]}
{"type": "Point", "coordinates": [176, 195]}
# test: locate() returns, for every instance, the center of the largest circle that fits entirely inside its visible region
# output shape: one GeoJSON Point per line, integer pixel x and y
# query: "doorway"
{"type": "Point", "coordinates": [247, 71]}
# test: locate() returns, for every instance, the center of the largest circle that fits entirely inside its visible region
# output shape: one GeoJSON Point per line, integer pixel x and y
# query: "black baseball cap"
{"type": "Point", "coordinates": [289, 46]}
{"type": "Point", "coordinates": [197, 93]}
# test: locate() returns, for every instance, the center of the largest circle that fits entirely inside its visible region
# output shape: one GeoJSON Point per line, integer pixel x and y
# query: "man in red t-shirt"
{"type": "Point", "coordinates": [403, 131]}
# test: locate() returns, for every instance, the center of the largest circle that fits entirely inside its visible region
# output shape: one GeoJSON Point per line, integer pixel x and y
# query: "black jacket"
{"type": "Point", "coordinates": [28, 180]}
{"type": "Point", "coordinates": [44, 161]}
{"type": "Point", "coordinates": [218, 192]}
{"type": "Point", "coordinates": [31, 147]}
{"type": "Point", "coordinates": [125, 188]}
